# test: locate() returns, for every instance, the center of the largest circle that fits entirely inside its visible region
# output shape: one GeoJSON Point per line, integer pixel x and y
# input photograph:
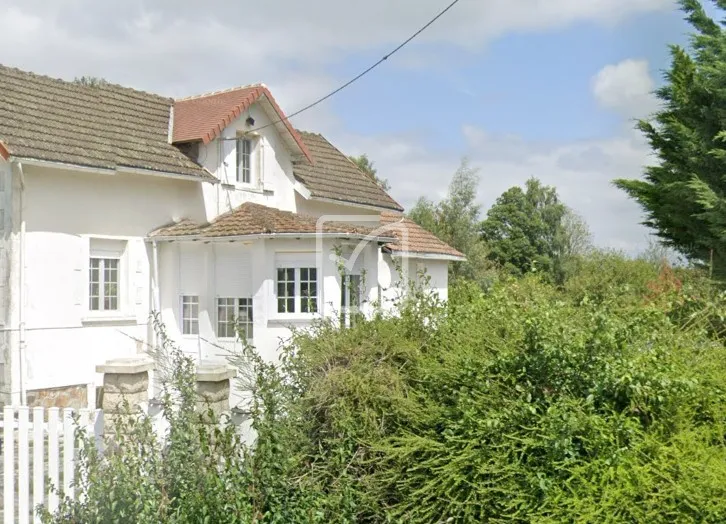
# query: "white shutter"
{"type": "Point", "coordinates": [266, 180]}
{"type": "Point", "coordinates": [80, 273]}
{"type": "Point", "coordinates": [233, 273]}
{"type": "Point", "coordinates": [191, 270]}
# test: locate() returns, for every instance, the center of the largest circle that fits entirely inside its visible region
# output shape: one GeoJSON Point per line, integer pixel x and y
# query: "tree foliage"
{"type": "Point", "coordinates": [368, 167]}
{"type": "Point", "coordinates": [455, 220]}
{"type": "Point", "coordinates": [684, 195]}
{"type": "Point", "coordinates": [531, 230]}
{"type": "Point", "coordinates": [604, 401]}
{"type": "Point", "coordinates": [90, 81]}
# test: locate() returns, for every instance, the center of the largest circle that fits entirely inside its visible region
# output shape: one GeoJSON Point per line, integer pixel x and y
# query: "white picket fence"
{"type": "Point", "coordinates": [39, 451]}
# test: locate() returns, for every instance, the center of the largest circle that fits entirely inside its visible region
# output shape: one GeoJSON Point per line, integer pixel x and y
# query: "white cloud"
{"type": "Point", "coordinates": [626, 87]}
{"type": "Point", "coordinates": [582, 172]}
{"type": "Point", "coordinates": [182, 47]}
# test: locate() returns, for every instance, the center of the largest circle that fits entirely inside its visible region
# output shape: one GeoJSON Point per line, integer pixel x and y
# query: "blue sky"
{"type": "Point", "coordinates": [536, 86]}
{"type": "Point", "coordinates": [520, 87]}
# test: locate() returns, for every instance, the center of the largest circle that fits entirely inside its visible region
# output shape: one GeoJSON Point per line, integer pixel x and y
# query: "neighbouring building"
{"type": "Point", "coordinates": [211, 210]}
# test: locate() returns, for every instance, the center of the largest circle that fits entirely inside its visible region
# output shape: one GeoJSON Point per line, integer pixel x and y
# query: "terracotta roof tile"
{"type": "Point", "coordinates": [412, 238]}
{"type": "Point", "coordinates": [204, 117]}
{"type": "Point", "coordinates": [334, 176]}
{"type": "Point", "coordinates": [256, 219]}
{"type": "Point", "coordinates": [104, 126]}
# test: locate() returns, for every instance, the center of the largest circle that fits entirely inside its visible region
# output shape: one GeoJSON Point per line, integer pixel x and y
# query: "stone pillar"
{"type": "Point", "coordinates": [213, 387]}
{"type": "Point", "coordinates": [124, 379]}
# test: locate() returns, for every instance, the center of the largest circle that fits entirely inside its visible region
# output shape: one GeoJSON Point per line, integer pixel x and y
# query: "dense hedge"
{"type": "Point", "coordinates": [596, 403]}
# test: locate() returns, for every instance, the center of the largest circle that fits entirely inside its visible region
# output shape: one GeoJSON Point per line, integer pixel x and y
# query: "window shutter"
{"type": "Point", "coordinates": [266, 181]}
{"type": "Point", "coordinates": [233, 273]}
{"type": "Point", "coordinates": [80, 273]}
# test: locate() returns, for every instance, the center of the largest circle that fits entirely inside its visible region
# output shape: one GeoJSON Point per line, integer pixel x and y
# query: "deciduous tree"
{"type": "Point", "coordinates": [455, 220]}
{"type": "Point", "coordinates": [525, 230]}
{"type": "Point", "coordinates": [368, 167]}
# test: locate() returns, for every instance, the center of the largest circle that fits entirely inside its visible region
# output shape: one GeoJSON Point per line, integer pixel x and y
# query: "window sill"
{"type": "Point", "coordinates": [248, 188]}
{"type": "Point", "coordinates": [293, 318]}
{"type": "Point", "coordinates": [109, 320]}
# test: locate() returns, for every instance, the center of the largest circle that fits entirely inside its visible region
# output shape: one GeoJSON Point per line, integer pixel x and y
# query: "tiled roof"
{"type": "Point", "coordinates": [204, 117]}
{"type": "Point", "coordinates": [105, 126]}
{"type": "Point", "coordinates": [256, 219]}
{"type": "Point", "coordinates": [412, 238]}
{"type": "Point", "coordinates": [334, 176]}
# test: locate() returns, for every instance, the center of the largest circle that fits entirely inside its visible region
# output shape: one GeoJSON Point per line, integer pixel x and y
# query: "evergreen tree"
{"type": "Point", "coordinates": [684, 195]}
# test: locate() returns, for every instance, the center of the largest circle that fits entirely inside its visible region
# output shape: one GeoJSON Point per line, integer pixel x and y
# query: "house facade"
{"type": "Point", "coordinates": [212, 211]}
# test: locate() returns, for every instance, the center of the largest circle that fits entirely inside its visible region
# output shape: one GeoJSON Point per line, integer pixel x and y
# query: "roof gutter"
{"type": "Point", "coordinates": [166, 174]}
{"type": "Point", "coordinates": [109, 171]}
{"type": "Point", "coordinates": [259, 236]}
{"type": "Point", "coordinates": [355, 204]}
{"type": "Point", "coordinates": [425, 256]}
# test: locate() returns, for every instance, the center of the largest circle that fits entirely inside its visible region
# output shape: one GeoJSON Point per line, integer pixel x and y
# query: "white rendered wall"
{"type": "Point", "coordinates": [220, 158]}
{"type": "Point", "coordinates": [63, 211]}
{"type": "Point", "coordinates": [395, 272]}
{"type": "Point", "coordinates": [271, 329]}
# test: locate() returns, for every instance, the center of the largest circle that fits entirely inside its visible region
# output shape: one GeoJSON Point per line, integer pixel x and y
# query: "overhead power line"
{"type": "Point", "coordinates": [364, 73]}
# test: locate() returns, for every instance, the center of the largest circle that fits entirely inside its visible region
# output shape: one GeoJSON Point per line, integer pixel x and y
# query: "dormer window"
{"type": "Point", "coordinates": [244, 160]}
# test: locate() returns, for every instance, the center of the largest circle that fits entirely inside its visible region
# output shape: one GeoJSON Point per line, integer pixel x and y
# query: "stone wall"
{"type": "Point", "coordinates": [64, 397]}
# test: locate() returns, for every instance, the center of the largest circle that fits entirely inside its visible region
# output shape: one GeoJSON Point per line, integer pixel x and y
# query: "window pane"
{"type": "Point", "coordinates": [225, 318]}
{"type": "Point", "coordinates": [355, 290]}
{"type": "Point", "coordinates": [286, 290]}
{"type": "Point", "coordinates": [244, 160]}
{"type": "Point", "coordinates": [308, 290]}
{"type": "Point", "coordinates": [94, 290]}
{"type": "Point", "coordinates": [190, 315]}
{"type": "Point", "coordinates": [103, 284]}
{"type": "Point", "coordinates": [244, 318]}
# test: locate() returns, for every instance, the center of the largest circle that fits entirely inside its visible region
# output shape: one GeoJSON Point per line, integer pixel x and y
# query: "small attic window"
{"type": "Point", "coordinates": [190, 149]}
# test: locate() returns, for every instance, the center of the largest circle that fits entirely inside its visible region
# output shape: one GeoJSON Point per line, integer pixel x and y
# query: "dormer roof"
{"type": "Point", "coordinates": [204, 117]}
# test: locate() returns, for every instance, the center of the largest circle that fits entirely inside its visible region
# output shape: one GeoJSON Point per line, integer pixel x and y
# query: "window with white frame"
{"type": "Point", "coordinates": [308, 290]}
{"type": "Point", "coordinates": [234, 316]}
{"type": "Point", "coordinates": [350, 299]}
{"type": "Point", "coordinates": [297, 289]}
{"type": "Point", "coordinates": [190, 314]}
{"type": "Point", "coordinates": [105, 274]}
{"type": "Point", "coordinates": [104, 280]}
{"type": "Point", "coordinates": [244, 160]}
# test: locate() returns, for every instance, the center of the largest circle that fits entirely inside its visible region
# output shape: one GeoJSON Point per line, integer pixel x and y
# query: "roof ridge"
{"type": "Point", "coordinates": [220, 91]}
{"type": "Point", "coordinates": [74, 84]}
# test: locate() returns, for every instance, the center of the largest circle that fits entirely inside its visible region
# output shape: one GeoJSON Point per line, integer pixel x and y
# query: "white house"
{"type": "Point", "coordinates": [212, 210]}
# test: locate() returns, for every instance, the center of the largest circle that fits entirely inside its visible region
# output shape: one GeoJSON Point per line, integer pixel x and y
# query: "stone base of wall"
{"type": "Point", "coordinates": [75, 397]}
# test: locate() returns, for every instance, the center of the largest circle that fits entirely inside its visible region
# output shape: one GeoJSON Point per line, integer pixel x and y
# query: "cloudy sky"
{"type": "Point", "coordinates": [545, 88]}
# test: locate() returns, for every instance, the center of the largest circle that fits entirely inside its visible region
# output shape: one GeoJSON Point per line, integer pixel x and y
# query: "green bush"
{"type": "Point", "coordinates": [602, 402]}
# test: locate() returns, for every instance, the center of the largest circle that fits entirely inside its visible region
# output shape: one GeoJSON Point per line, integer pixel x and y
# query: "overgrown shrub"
{"type": "Point", "coordinates": [603, 402]}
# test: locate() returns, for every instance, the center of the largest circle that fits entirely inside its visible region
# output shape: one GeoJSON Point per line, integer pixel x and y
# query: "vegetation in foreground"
{"type": "Point", "coordinates": [559, 384]}
{"type": "Point", "coordinates": [604, 401]}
